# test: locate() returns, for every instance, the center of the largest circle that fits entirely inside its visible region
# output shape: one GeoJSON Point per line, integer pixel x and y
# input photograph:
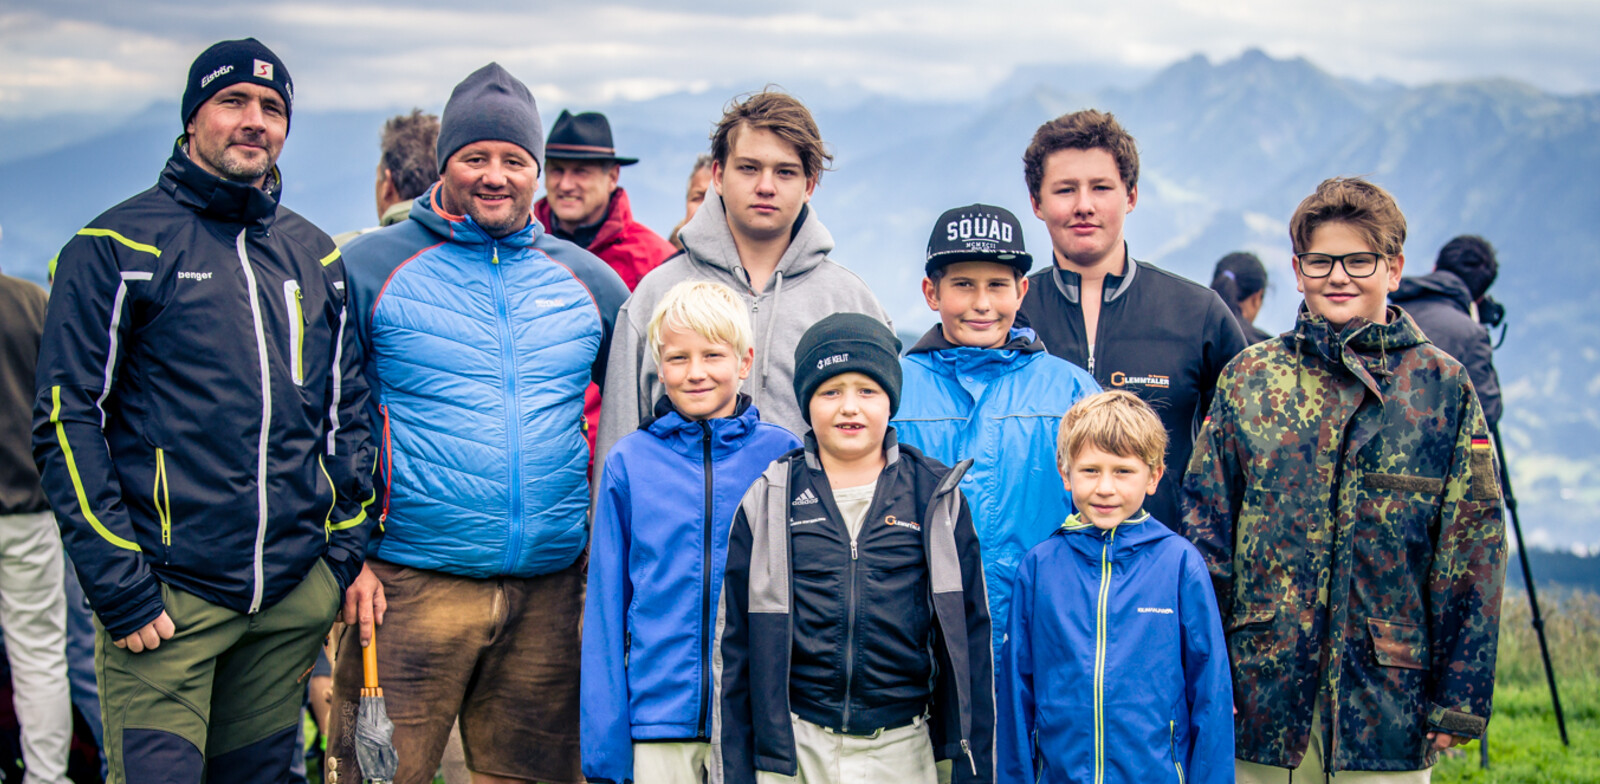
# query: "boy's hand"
{"type": "Point", "coordinates": [1444, 740]}
{"type": "Point", "coordinates": [150, 636]}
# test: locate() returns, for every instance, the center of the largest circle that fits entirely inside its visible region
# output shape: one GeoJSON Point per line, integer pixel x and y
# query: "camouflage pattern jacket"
{"type": "Point", "coordinates": [1346, 498]}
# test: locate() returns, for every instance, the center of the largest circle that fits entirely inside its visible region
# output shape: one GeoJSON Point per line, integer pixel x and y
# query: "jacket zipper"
{"type": "Point", "coordinates": [294, 300]}
{"type": "Point", "coordinates": [163, 501]}
{"type": "Point", "coordinates": [850, 632]}
{"type": "Point", "coordinates": [258, 572]}
{"type": "Point", "coordinates": [513, 412]}
{"type": "Point", "coordinates": [705, 586]}
{"type": "Point", "coordinates": [1100, 660]}
{"type": "Point", "coordinates": [1172, 737]}
{"type": "Point", "coordinates": [327, 522]}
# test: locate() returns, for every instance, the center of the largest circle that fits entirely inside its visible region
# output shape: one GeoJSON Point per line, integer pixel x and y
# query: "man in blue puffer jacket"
{"type": "Point", "coordinates": [977, 388]}
{"type": "Point", "coordinates": [667, 497]}
{"type": "Point", "coordinates": [482, 332]}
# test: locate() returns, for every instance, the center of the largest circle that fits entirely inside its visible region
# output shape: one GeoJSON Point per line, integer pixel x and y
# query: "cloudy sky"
{"type": "Point", "coordinates": [92, 55]}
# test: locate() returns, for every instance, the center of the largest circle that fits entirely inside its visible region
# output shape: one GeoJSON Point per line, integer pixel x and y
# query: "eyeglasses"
{"type": "Point", "coordinates": [1356, 265]}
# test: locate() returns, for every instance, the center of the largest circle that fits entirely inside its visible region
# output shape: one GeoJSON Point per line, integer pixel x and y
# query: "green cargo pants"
{"type": "Point", "coordinates": [220, 701]}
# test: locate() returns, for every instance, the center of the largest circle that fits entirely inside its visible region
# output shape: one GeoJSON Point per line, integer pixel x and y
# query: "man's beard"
{"type": "Point", "coordinates": [234, 167]}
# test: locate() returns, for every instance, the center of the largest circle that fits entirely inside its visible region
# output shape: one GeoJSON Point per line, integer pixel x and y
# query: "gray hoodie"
{"type": "Point", "coordinates": [805, 287]}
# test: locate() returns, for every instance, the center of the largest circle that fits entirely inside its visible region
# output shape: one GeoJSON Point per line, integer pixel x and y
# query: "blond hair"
{"type": "Point", "coordinates": [1118, 422]}
{"type": "Point", "coordinates": [711, 310]}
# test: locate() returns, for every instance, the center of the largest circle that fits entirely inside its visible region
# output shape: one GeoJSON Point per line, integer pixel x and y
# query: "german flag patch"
{"type": "Point", "coordinates": [1485, 482]}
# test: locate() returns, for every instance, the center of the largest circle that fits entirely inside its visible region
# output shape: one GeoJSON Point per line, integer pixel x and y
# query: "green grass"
{"type": "Point", "coordinates": [1524, 744]}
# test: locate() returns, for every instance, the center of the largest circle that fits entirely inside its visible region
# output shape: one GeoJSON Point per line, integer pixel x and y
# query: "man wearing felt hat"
{"type": "Point", "coordinates": [584, 204]}
{"type": "Point", "coordinates": [197, 426]}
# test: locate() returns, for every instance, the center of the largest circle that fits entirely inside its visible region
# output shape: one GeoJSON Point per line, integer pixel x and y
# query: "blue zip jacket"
{"type": "Point", "coordinates": [1000, 408]}
{"type": "Point", "coordinates": [478, 352]}
{"type": "Point", "coordinates": [1115, 669]}
{"type": "Point", "coordinates": [667, 496]}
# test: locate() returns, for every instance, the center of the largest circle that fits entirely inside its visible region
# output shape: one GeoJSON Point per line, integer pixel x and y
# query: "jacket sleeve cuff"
{"type": "Point", "coordinates": [345, 566]}
{"type": "Point", "coordinates": [133, 610]}
{"type": "Point", "coordinates": [1463, 725]}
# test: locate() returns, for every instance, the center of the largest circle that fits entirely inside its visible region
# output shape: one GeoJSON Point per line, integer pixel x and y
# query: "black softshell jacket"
{"type": "Point", "coordinates": [198, 412]}
{"type": "Point", "coordinates": [854, 639]}
{"type": "Point", "coordinates": [1161, 336]}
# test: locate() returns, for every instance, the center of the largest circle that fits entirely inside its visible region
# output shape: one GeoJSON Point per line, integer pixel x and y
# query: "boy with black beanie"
{"type": "Point", "coordinates": [853, 630]}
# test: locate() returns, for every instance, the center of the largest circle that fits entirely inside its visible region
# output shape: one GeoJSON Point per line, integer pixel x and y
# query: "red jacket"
{"type": "Point", "coordinates": [630, 247]}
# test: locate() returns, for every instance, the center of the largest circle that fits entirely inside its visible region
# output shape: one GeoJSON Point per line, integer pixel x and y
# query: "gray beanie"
{"type": "Point", "coordinates": [491, 104]}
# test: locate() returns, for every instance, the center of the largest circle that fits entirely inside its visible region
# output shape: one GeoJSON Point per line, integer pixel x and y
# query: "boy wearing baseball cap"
{"type": "Point", "coordinates": [853, 632]}
{"type": "Point", "coordinates": [979, 388]}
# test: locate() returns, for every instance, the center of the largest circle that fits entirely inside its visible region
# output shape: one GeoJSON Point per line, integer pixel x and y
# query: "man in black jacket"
{"type": "Point", "coordinates": [197, 425]}
{"type": "Point", "coordinates": [1442, 303]}
{"type": "Point", "coordinates": [1134, 326]}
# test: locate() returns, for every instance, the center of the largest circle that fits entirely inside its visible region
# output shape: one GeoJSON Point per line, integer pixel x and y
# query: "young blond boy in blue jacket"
{"type": "Point", "coordinates": [667, 495]}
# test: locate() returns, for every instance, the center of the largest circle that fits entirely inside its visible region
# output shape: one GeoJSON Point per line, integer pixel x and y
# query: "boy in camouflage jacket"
{"type": "Point", "coordinates": [1344, 493]}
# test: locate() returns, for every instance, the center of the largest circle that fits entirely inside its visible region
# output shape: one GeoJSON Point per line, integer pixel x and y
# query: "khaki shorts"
{"type": "Point", "coordinates": [500, 653]}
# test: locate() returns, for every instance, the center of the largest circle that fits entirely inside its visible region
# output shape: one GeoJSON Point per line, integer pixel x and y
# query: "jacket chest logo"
{"type": "Point", "coordinates": [892, 520]}
{"type": "Point", "coordinates": [805, 498]}
{"type": "Point", "coordinates": [194, 275]}
{"type": "Point", "coordinates": [1121, 379]}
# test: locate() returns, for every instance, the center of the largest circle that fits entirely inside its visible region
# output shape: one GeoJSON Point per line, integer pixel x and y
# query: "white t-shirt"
{"type": "Point", "coordinates": [853, 503]}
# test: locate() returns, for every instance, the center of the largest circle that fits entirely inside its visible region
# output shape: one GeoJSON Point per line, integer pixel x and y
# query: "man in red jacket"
{"type": "Point", "coordinates": [583, 203]}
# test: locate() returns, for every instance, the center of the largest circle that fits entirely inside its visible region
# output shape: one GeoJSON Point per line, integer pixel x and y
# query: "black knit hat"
{"type": "Point", "coordinates": [846, 343]}
{"type": "Point", "coordinates": [227, 63]}
{"type": "Point", "coordinates": [978, 232]}
{"type": "Point", "coordinates": [493, 105]}
{"type": "Point", "coordinates": [584, 137]}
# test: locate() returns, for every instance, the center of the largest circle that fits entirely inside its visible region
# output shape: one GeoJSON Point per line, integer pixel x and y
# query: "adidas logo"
{"type": "Point", "coordinates": [805, 497]}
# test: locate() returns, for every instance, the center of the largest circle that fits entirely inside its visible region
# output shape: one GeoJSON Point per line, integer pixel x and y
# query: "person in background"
{"type": "Point", "coordinates": [33, 593]}
{"type": "Point", "coordinates": [759, 236]}
{"type": "Point", "coordinates": [1131, 324]}
{"type": "Point", "coordinates": [1240, 279]}
{"type": "Point", "coordinates": [978, 388]}
{"type": "Point", "coordinates": [1346, 497]}
{"type": "Point", "coordinates": [198, 428]}
{"type": "Point", "coordinates": [406, 168]}
{"type": "Point", "coordinates": [699, 186]}
{"type": "Point", "coordinates": [1447, 305]}
{"type": "Point", "coordinates": [667, 495]}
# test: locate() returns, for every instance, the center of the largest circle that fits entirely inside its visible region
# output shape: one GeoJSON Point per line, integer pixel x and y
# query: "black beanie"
{"type": "Point", "coordinates": [228, 63]}
{"type": "Point", "coordinates": [1472, 259]}
{"type": "Point", "coordinates": [491, 104]}
{"type": "Point", "coordinates": [846, 343]}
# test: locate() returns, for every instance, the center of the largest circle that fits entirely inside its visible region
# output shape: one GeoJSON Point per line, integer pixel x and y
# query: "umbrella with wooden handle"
{"type": "Point", "coordinates": [374, 732]}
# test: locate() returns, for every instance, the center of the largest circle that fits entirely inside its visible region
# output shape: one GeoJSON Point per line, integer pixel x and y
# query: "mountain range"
{"type": "Point", "coordinates": [1227, 150]}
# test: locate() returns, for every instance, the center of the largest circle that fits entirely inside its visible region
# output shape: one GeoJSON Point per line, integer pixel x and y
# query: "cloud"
{"type": "Point", "coordinates": [408, 52]}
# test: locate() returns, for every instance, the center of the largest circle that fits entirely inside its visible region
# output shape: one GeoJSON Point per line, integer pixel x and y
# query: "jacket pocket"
{"type": "Point", "coordinates": [1409, 483]}
{"type": "Point", "coordinates": [161, 495]}
{"type": "Point", "coordinates": [1241, 620]}
{"type": "Point", "coordinates": [294, 302]}
{"type": "Point", "coordinates": [1398, 644]}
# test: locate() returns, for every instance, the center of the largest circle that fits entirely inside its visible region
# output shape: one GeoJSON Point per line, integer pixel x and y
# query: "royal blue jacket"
{"type": "Point", "coordinates": [1000, 408]}
{"type": "Point", "coordinates": [478, 352]}
{"type": "Point", "coordinates": [1115, 669]}
{"type": "Point", "coordinates": [667, 496]}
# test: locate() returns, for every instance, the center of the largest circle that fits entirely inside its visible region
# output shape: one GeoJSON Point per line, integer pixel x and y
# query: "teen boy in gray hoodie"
{"type": "Point", "coordinates": [759, 237]}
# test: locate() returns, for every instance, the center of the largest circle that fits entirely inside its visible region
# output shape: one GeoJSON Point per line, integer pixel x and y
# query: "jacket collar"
{"type": "Point", "coordinates": [216, 198]}
{"type": "Point", "coordinates": [686, 435]}
{"type": "Point", "coordinates": [707, 239]}
{"type": "Point", "coordinates": [1362, 348]}
{"type": "Point", "coordinates": [1070, 284]}
{"type": "Point", "coordinates": [462, 229]}
{"type": "Point", "coordinates": [1134, 532]}
{"type": "Point", "coordinates": [619, 213]}
{"type": "Point", "coordinates": [1441, 283]}
{"type": "Point", "coordinates": [1022, 339]}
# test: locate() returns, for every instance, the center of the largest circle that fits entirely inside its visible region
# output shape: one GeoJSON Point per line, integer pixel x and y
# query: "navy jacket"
{"type": "Point", "coordinates": [198, 412]}
{"type": "Point", "coordinates": [667, 496]}
{"type": "Point", "coordinates": [854, 635]}
{"type": "Point", "coordinates": [1161, 336]}
{"type": "Point", "coordinates": [1115, 667]}
{"type": "Point", "coordinates": [1441, 304]}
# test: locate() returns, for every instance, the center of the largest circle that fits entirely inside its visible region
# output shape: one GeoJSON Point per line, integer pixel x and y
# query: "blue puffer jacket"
{"type": "Point", "coordinates": [667, 496]}
{"type": "Point", "coordinates": [1115, 668]}
{"type": "Point", "coordinates": [478, 352]}
{"type": "Point", "coordinates": [1000, 408]}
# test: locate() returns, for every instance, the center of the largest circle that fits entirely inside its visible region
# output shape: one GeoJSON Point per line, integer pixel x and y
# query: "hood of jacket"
{"type": "Point", "coordinates": [428, 210]}
{"type": "Point", "coordinates": [1439, 283]}
{"type": "Point", "coordinates": [707, 238]}
{"type": "Point", "coordinates": [1363, 348]}
{"type": "Point", "coordinates": [1022, 342]}
{"type": "Point", "coordinates": [216, 198]}
{"type": "Point", "coordinates": [1127, 538]}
